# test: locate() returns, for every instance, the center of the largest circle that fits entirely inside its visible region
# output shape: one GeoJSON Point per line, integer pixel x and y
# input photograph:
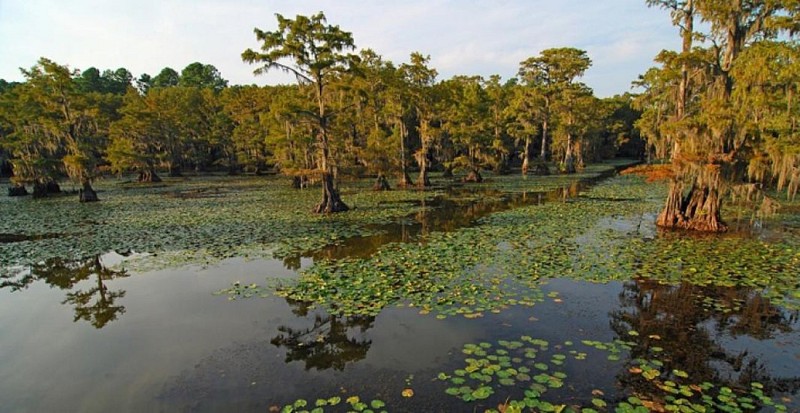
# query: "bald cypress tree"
{"type": "Point", "coordinates": [314, 52]}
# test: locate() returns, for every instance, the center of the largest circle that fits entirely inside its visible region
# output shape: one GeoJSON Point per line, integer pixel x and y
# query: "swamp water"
{"type": "Point", "coordinates": [513, 295]}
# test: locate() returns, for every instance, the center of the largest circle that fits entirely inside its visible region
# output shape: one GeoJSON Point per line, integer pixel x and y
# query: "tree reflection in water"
{"type": "Point", "coordinates": [95, 304]}
{"type": "Point", "coordinates": [689, 323]}
{"type": "Point", "coordinates": [329, 343]}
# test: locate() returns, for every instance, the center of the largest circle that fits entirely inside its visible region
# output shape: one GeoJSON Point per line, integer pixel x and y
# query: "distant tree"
{"type": "Point", "coordinates": [117, 81]}
{"type": "Point", "coordinates": [552, 75]}
{"type": "Point", "coordinates": [620, 136]}
{"type": "Point", "coordinates": [468, 123]}
{"type": "Point", "coordinates": [169, 127]}
{"type": "Point", "coordinates": [400, 113]}
{"type": "Point", "coordinates": [137, 137]}
{"type": "Point", "coordinates": [248, 108]}
{"type": "Point", "coordinates": [499, 95]}
{"type": "Point", "coordinates": [579, 117]}
{"type": "Point", "coordinates": [292, 134]}
{"type": "Point", "coordinates": [144, 83]}
{"type": "Point", "coordinates": [424, 99]}
{"type": "Point", "coordinates": [526, 113]}
{"type": "Point", "coordinates": [90, 80]}
{"type": "Point", "coordinates": [54, 126]}
{"type": "Point", "coordinates": [202, 76]}
{"type": "Point", "coordinates": [167, 77]}
{"type": "Point", "coordinates": [366, 117]}
{"type": "Point", "coordinates": [314, 52]}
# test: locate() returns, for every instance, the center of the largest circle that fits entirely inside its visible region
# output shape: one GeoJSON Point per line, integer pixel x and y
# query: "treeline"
{"type": "Point", "coordinates": [377, 118]}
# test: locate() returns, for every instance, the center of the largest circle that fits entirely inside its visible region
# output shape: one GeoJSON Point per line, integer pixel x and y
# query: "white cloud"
{"type": "Point", "coordinates": [463, 37]}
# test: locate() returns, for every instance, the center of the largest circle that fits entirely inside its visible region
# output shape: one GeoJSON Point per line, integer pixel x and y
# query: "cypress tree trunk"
{"type": "Point", "coordinates": [526, 156]}
{"type": "Point", "coordinates": [299, 182]}
{"type": "Point", "coordinates": [672, 215]}
{"type": "Point", "coordinates": [42, 189]}
{"type": "Point", "coordinates": [405, 180]}
{"type": "Point", "coordinates": [39, 190]}
{"type": "Point", "coordinates": [87, 193]}
{"type": "Point", "coordinates": [422, 158]}
{"type": "Point", "coordinates": [331, 202]}
{"type": "Point", "coordinates": [149, 176]}
{"type": "Point", "coordinates": [569, 158]}
{"type": "Point", "coordinates": [703, 204]}
{"type": "Point", "coordinates": [700, 209]}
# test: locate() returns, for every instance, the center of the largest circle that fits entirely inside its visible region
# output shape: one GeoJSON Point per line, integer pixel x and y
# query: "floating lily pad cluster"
{"type": "Point", "coordinates": [200, 221]}
{"type": "Point", "coordinates": [517, 375]}
{"type": "Point", "coordinates": [335, 403]}
{"type": "Point", "coordinates": [732, 262]}
{"type": "Point", "coordinates": [444, 276]}
{"type": "Point", "coordinates": [197, 221]}
{"type": "Point", "coordinates": [502, 261]}
{"type": "Point", "coordinates": [521, 363]}
{"type": "Point", "coordinates": [240, 291]}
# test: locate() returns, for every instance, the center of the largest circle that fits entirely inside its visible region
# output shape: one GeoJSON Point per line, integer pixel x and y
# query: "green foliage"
{"type": "Point", "coordinates": [204, 76]}
{"type": "Point", "coordinates": [722, 110]}
{"type": "Point", "coordinates": [55, 128]}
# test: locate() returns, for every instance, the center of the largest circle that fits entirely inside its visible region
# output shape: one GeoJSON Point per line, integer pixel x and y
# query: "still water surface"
{"type": "Point", "coordinates": [160, 341]}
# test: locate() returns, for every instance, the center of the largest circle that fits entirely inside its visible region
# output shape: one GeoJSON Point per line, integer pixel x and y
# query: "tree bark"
{"type": "Point", "coordinates": [672, 214]}
{"type": "Point", "coordinates": [300, 182]}
{"type": "Point", "coordinates": [148, 176]}
{"type": "Point", "coordinates": [87, 193]}
{"type": "Point", "coordinates": [543, 153]}
{"type": "Point", "coordinates": [42, 189]}
{"type": "Point", "coordinates": [331, 202]}
{"type": "Point", "coordinates": [703, 204]}
{"type": "Point", "coordinates": [422, 156]}
{"type": "Point", "coordinates": [423, 180]}
{"type": "Point", "coordinates": [39, 190]}
{"type": "Point", "coordinates": [526, 156]}
{"type": "Point", "coordinates": [569, 158]}
{"type": "Point", "coordinates": [405, 180]}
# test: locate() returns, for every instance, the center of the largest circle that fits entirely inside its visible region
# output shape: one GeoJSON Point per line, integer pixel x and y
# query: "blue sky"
{"type": "Point", "coordinates": [462, 37]}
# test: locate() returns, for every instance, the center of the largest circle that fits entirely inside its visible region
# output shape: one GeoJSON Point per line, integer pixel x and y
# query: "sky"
{"type": "Point", "coordinates": [462, 37]}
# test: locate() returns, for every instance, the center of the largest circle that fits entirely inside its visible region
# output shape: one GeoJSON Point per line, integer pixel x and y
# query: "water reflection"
{"type": "Point", "coordinates": [697, 328]}
{"type": "Point", "coordinates": [331, 342]}
{"type": "Point", "coordinates": [457, 209]}
{"type": "Point", "coordinates": [85, 283]}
